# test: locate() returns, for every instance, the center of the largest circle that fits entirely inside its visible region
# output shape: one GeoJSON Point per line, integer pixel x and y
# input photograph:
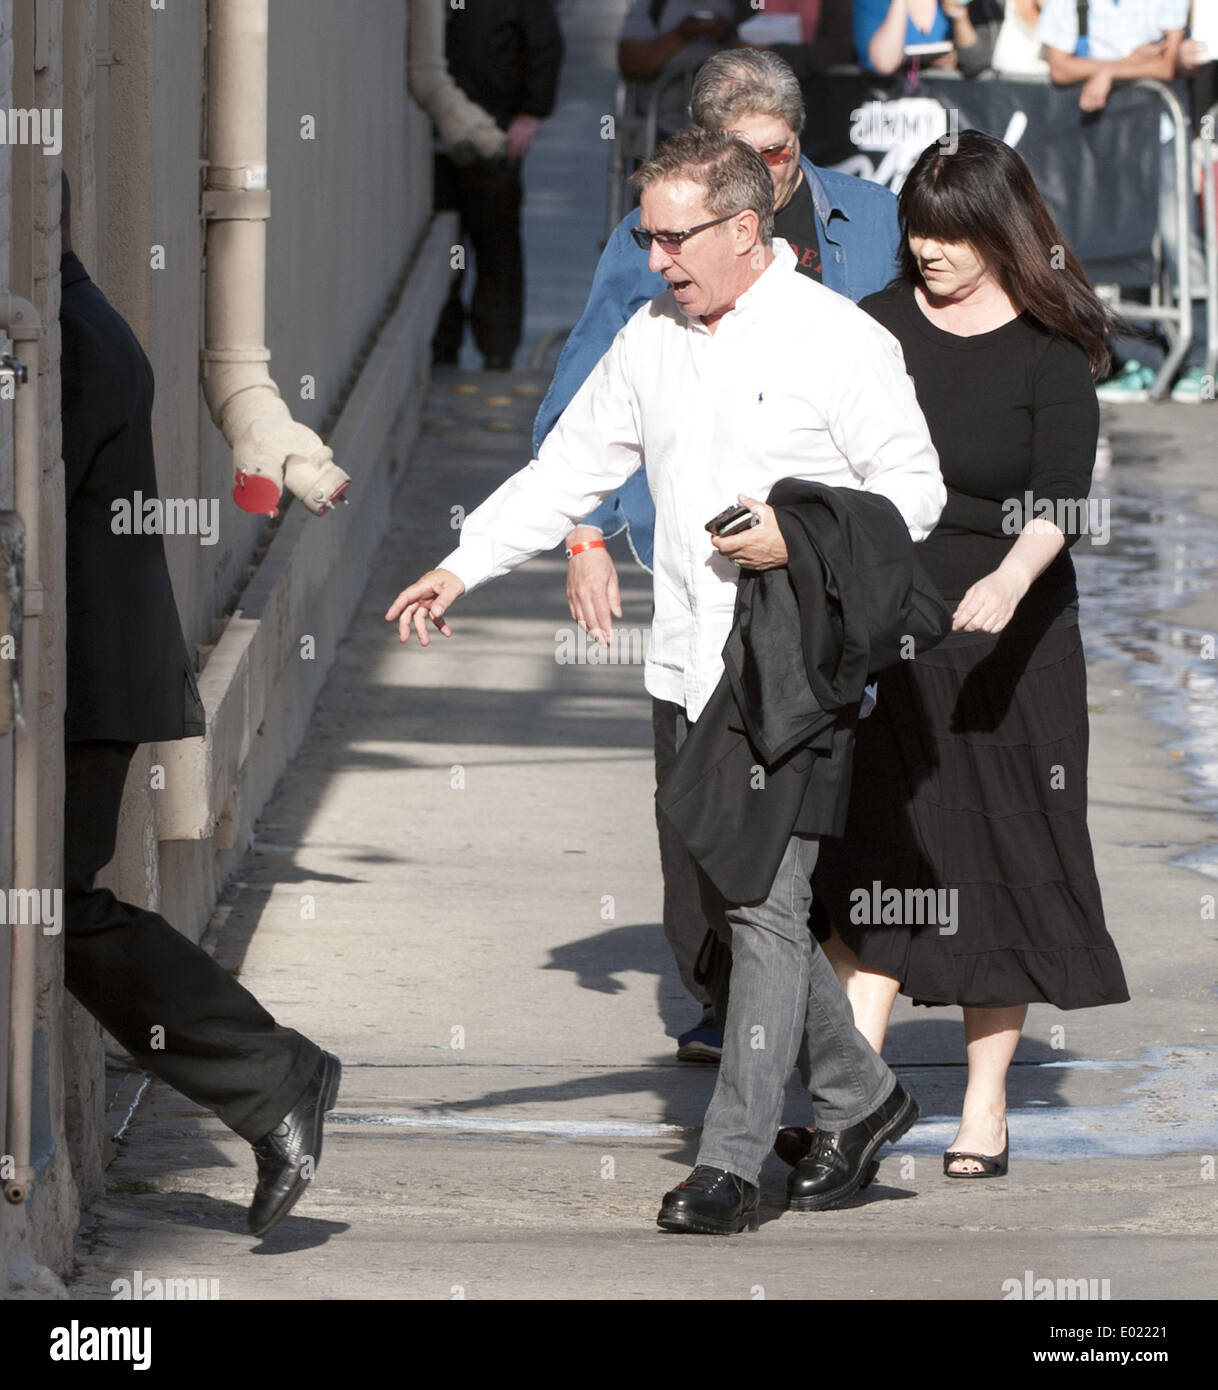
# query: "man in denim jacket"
{"type": "Point", "coordinates": [845, 234]}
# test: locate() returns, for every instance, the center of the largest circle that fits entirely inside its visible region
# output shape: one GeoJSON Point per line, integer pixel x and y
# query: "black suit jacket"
{"type": "Point", "coordinates": [770, 756]}
{"type": "Point", "coordinates": [506, 56]}
{"type": "Point", "coordinates": [129, 675]}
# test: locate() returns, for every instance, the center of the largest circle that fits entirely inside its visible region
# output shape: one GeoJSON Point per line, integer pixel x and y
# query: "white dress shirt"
{"type": "Point", "coordinates": [795, 382]}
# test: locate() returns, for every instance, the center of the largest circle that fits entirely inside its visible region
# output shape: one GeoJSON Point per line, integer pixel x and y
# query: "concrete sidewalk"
{"type": "Point", "coordinates": [456, 888]}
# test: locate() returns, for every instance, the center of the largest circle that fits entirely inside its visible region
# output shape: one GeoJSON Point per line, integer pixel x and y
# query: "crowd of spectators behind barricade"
{"type": "Point", "coordinates": [1123, 38]}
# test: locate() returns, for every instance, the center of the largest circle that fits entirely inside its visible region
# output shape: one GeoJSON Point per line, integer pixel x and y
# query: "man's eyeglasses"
{"type": "Point", "coordinates": [671, 242]}
{"type": "Point", "coordinates": [776, 155]}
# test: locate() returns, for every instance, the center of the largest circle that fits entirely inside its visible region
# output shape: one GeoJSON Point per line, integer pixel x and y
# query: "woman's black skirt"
{"type": "Point", "coordinates": [966, 871]}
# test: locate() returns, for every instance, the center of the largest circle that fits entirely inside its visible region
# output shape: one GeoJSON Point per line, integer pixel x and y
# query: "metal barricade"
{"type": "Point", "coordinates": [1171, 296]}
{"type": "Point", "coordinates": [1179, 315]}
{"type": "Point", "coordinates": [636, 107]}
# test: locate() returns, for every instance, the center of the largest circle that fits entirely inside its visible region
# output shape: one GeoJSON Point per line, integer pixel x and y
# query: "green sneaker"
{"type": "Point", "coordinates": [1192, 386]}
{"type": "Point", "coordinates": [1133, 384]}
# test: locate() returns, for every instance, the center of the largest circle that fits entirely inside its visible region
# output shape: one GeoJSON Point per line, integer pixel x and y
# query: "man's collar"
{"type": "Point", "coordinates": [782, 264]}
{"type": "Point", "coordinates": [71, 271]}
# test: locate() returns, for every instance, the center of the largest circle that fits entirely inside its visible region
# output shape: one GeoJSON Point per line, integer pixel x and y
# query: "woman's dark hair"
{"type": "Point", "coordinates": [984, 193]}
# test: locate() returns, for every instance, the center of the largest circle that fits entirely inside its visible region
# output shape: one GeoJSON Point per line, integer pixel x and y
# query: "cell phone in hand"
{"type": "Point", "coordinates": [732, 520]}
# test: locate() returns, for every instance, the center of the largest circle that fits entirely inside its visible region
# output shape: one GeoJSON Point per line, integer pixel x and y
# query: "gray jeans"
{"type": "Point", "coordinates": [785, 1005]}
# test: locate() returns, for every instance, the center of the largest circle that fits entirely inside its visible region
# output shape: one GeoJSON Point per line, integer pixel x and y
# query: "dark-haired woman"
{"type": "Point", "coordinates": [971, 773]}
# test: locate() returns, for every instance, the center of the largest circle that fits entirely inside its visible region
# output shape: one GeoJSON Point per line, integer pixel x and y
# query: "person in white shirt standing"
{"type": "Point", "coordinates": [742, 373]}
{"type": "Point", "coordinates": [1122, 39]}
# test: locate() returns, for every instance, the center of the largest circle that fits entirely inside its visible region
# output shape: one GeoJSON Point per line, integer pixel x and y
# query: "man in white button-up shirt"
{"type": "Point", "coordinates": [743, 373]}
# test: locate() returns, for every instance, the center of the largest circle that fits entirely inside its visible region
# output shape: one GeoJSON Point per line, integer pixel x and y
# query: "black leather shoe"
{"type": "Point", "coordinates": [288, 1156]}
{"type": "Point", "coordinates": [794, 1143]}
{"type": "Point", "coordinates": [839, 1164]}
{"type": "Point", "coordinates": [711, 1202]}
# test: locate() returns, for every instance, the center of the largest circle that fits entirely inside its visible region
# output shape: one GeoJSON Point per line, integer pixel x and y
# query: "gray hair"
{"type": "Point", "coordinates": [745, 82]}
{"type": "Point", "coordinates": [733, 174]}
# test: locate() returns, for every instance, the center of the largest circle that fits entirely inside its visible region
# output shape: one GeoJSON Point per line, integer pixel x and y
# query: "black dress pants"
{"type": "Point", "coordinates": [138, 976]}
{"type": "Point", "coordinates": [487, 195]}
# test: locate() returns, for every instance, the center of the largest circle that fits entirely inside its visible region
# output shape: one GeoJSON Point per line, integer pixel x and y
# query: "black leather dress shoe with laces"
{"type": "Point", "coordinates": [288, 1156]}
{"type": "Point", "coordinates": [711, 1202]}
{"type": "Point", "coordinates": [793, 1143]}
{"type": "Point", "coordinates": [837, 1165]}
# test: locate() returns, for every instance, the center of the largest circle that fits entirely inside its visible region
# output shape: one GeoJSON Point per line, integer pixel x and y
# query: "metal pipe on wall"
{"type": "Point", "coordinates": [19, 319]}
{"type": "Point", "coordinates": [270, 449]}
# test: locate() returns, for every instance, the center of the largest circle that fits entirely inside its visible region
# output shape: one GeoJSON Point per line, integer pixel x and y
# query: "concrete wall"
{"type": "Point", "coordinates": [356, 276]}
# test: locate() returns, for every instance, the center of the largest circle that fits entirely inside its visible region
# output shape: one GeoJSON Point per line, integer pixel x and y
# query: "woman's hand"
{"type": "Point", "coordinates": [761, 547]}
{"type": "Point", "coordinates": [990, 603]}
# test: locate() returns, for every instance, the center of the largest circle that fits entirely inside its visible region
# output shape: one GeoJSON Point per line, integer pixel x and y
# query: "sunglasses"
{"type": "Point", "coordinates": [671, 242]}
{"type": "Point", "coordinates": [777, 155]}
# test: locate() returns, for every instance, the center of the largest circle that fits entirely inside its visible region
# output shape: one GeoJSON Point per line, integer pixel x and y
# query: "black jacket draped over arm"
{"type": "Point", "coordinates": [770, 756]}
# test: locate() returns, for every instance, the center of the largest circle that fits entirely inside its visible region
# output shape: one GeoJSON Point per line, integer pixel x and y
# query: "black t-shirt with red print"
{"type": "Point", "coordinates": [796, 223]}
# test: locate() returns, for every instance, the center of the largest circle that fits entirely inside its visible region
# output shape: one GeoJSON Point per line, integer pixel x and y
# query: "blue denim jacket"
{"type": "Point", "coordinates": [856, 223]}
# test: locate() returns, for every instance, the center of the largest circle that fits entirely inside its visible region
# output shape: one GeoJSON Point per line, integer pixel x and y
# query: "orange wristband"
{"type": "Point", "coordinates": [584, 545]}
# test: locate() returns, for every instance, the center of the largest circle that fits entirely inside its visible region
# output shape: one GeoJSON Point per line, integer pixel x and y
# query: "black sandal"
{"type": "Point", "coordinates": [990, 1167]}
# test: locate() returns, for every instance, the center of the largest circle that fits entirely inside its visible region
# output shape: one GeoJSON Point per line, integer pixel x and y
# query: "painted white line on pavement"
{"type": "Point", "coordinates": [491, 1124]}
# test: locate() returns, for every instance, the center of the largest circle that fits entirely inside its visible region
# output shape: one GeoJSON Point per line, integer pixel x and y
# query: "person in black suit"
{"type": "Point", "coordinates": [505, 55]}
{"type": "Point", "coordinates": [129, 681]}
